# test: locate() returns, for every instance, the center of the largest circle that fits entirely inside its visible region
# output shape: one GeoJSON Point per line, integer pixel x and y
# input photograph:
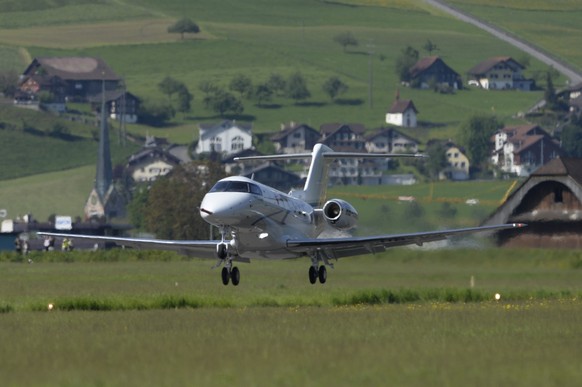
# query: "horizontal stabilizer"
{"type": "Point", "coordinates": [330, 155]}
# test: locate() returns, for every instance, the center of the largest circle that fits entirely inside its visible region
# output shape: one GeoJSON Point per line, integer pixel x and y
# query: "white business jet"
{"type": "Point", "coordinates": [255, 220]}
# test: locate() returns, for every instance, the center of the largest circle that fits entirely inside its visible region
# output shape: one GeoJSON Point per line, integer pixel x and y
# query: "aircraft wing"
{"type": "Point", "coordinates": [202, 249]}
{"type": "Point", "coordinates": [346, 247]}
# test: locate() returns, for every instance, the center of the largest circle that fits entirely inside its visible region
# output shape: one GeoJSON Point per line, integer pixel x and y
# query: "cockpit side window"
{"type": "Point", "coordinates": [255, 189]}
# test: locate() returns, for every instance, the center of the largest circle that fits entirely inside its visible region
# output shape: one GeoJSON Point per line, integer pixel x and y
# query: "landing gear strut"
{"type": "Point", "coordinates": [224, 255]}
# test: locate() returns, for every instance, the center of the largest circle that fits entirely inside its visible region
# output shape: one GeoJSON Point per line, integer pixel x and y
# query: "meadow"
{"type": "Point", "coordinates": [407, 317]}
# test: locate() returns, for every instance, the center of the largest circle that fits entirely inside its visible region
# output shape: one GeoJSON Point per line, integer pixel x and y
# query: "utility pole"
{"type": "Point", "coordinates": [370, 74]}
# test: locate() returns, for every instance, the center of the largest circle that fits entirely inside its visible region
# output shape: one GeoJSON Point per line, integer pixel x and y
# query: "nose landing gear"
{"type": "Point", "coordinates": [224, 255]}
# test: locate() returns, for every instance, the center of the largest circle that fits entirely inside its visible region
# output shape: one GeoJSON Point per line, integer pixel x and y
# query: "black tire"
{"type": "Point", "coordinates": [322, 274]}
{"type": "Point", "coordinates": [235, 276]}
{"type": "Point", "coordinates": [225, 276]}
{"type": "Point", "coordinates": [312, 275]}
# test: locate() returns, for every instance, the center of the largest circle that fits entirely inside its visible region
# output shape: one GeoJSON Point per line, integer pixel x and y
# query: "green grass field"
{"type": "Point", "coordinates": [175, 324]}
{"type": "Point", "coordinates": [553, 26]}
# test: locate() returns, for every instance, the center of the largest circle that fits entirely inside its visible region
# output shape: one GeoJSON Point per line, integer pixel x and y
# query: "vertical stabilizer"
{"type": "Point", "coordinates": [316, 183]}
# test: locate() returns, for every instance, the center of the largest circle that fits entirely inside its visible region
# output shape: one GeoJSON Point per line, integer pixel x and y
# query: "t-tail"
{"type": "Point", "coordinates": [316, 183]}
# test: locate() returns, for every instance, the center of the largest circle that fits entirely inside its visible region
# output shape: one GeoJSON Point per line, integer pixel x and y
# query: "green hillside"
{"type": "Point", "coordinates": [256, 38]}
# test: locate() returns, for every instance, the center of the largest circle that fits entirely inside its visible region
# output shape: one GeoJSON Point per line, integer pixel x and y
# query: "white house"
{"type": "Point", "coordinates": [522, 149]}
{"type": "Point", "coordinates": [402, 113]}
{"type": "Point", "coordinates": [228, 137]}
{"type": "Point", "coordinates": [502, 72]}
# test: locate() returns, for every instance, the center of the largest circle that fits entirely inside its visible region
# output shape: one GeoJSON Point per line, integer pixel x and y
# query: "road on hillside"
{"type": "Point", "coordinates": [572, 74]}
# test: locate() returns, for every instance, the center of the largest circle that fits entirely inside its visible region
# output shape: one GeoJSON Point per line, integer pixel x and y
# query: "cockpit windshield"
{"type": "Point", "coordinates": [236, 186]}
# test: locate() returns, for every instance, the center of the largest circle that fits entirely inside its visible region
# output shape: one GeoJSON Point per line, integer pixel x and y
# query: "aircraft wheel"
{"type": "Point", "coordinates": [312, 275]}
{"type": "Point", "coordinates": [235, 276]}
{"type": "Point", "coordinates": [225, 276]}
{"type": "Point", "coordinates": [322, 274]}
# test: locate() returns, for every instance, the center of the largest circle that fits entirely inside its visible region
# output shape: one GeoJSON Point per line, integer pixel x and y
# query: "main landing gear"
{"type": "Point", "coordinates": [317, 273]}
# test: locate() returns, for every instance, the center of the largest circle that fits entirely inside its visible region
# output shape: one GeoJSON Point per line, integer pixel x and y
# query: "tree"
{"type": "Point", "coordinates": [297, 87]}
{"type": "Point", "coordinates": [475, 134]}
{"type": "Point", "coordinates": [408, 58]}
{"type": "Point", "coordinates": [183, 26]}
{"type": "Point", "coordinates": [263, 93]}
{"type": "Point", "coordinates": [333, 87]}
{"type": "Point", "coordinates": [170, 86]}
{"type": "Point", "coordinates": [207, 87]}
{"type": "Point", "coordinates": [222, 102]}
{"type": "Point", "coordinates": [184, 99]}
{"type": "Point", "coordinates": [571, 138]}
{"type": "Point", "coordinates": [277, 84]}
{"type": "Point", "coordinates": [170, 211]}
{"type": "Point", "coordinates": [345, 39]}
{"type": "Point", "coordinates": [429, 47]}
{"type": "Point", "coordinates": [8, 82]}
{"type": "Point", "coordinates": [241, 84]}
{"type": "Point", "coordinates": [137, 207]}
{"type": "Point", "coordinates": [155, 114]}
{"type": "Point", "coordinates": [550, 93]}
{"type": "Point", "coordinates": [437, 159]}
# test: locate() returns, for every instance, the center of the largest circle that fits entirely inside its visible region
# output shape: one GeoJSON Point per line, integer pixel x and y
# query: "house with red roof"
{"type": "Point", "coordinates": [402, 113]}
{"type": "Point", "coordinates": [73, 78]}
{"type": "Point", "coordinates": [520, 150]}
{"type": "Point", "coordinates": [500, 73]}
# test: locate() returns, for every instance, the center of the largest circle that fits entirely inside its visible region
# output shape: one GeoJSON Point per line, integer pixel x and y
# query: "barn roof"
{"type": "Point", "coordinates": [74, 68]}
{"type": "Point", "coordinates": [567, 166]}
{"type": "Point", "coordinates": [488, 64]}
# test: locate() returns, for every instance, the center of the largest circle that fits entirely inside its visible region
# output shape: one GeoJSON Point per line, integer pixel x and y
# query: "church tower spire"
{"type": "Point", "coordinates": [104, 173]}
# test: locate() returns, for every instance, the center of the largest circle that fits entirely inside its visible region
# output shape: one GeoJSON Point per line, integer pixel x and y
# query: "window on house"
{"type": "Point", "coordinates": [297, 135]}
{"type": "Point", "coordinates": [216, 144]}
{"type": "Point", "coordinates": [237, 143]}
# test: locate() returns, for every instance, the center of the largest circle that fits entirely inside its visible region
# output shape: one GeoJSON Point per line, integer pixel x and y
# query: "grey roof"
{"type": "Point", "coordinates": [488, 64]}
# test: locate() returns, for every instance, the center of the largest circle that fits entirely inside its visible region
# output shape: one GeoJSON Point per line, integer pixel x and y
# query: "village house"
{"type": "Point", "coordinates": [150, 163]}
{"type": "Point", "coordinates": [499, 73]}
{"type": "Point", "coordinates": [402, 113]}
{"type": "Point", "coordinates": [120, 105]}
{"type": "Point", "coordinates": [67, 78]}
{"type": "Point", "coordinates": [458, 168]}
{"type": "Point", "coordinates": [274, 176]}
{"type": "Point", "coordinates": [522, 149]}
{"type": "Point", "coordinates": [227, 137]}
{"type": "Point", "coordinates": [431, 72]}
{"type": "Point", "coordinates": [347, 138]}
{"type": "Point", "coordinates": [390, 140]}
{"type": "Point", "coordinates": [575, 98]}
{"type": "Point", "coordinates": [295, 138]}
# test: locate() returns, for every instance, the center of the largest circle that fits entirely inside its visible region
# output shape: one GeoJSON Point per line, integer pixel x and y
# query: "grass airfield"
{"type": "Point", "coordinates": [407, 317]}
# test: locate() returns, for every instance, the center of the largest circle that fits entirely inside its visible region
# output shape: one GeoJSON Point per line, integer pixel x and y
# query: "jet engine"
{"type": "Point", "coordinates": [340, 214]}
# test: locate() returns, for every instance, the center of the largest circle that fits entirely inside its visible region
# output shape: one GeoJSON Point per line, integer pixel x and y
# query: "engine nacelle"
{"type": "Point", "coordinates": [340, 214]}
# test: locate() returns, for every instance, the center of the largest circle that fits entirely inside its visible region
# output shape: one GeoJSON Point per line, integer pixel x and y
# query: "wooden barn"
{"type": "Point", "coordinates": [550, 202]}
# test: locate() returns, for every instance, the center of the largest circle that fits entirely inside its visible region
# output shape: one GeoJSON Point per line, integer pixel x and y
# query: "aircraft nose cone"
{"type": "Point", "coordinates": [218, 208]}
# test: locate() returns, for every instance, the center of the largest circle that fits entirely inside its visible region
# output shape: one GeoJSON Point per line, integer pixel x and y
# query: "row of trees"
{"type": "Point", "coordinates": [223, 100]}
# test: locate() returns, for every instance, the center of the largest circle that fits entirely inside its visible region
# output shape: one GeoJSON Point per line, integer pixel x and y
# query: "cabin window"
{"type": "Point", "coordinates": [558, 195]}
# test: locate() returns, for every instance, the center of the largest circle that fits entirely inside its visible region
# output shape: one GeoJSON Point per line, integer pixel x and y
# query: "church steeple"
{"type": "Point", "coordinates": [104, 174]}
